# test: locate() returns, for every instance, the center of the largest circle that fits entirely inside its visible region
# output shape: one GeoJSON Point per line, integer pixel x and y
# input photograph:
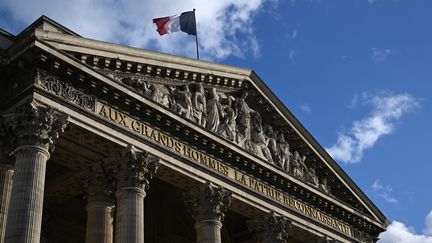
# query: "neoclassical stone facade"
{"type": "Point", "coordinates": [105, 143]}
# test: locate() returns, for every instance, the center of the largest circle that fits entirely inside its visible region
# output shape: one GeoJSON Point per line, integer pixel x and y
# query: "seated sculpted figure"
{"type": "Point", "coordinates": [324, 186]}
{"type": "Point", "coordinates": [184, 102]}
{"type": "Point", "coordinates": [261, 140]}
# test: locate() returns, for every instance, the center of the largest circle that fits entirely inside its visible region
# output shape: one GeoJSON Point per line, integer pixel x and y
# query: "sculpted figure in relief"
{"type": "Point", "coordinates": [199, 105]}
{"type": "Point", "coordinates": [312, 178]}
{"type": "Point", "coordinates": [244, 117]}
{"type": "Point", "coordinates": [323, 186]}
{"type": "Point", "coordinates": [284, 153]}
{"type": "Point", "coordinates": [272, 143]}
{"type": "Point", "coordinates": [261, 140]}
{"type": "Point", "coordinates": [214, 111]}
{"type": "Point", "coordinates": [228, 128]}
{"type": "Point", "coordinates": [156, 92]}
{"type": "Point", "coordinates": [298, 165]}
{"type": "Point", "coordinates": [184, 102]}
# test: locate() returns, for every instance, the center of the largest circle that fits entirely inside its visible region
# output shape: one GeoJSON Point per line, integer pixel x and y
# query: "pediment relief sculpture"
{"type": "Point", "coordinates": [229, 115]}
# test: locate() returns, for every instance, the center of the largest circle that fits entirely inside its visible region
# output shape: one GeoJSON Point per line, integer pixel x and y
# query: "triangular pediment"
{"type": "Point", "coordinates": [230, 103]}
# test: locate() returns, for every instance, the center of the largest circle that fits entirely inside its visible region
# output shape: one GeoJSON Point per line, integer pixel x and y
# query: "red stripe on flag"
{"type": "Point", "coordinates": [161, 24]}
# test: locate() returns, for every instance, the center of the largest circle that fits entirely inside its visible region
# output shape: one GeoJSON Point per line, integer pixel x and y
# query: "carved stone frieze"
{"type": "Point", "coordinates": [208, 202]}
{"type": "Point", "coordinates": [270, 228]}
{"type": "Point", "coordinates": [33, 124]}
{"type": "Point", "coordinates": [134, 168]}
{"type": "Point", "coordinates": [229, 115]}
{"type": "Point", "coordinates": [53, 85]}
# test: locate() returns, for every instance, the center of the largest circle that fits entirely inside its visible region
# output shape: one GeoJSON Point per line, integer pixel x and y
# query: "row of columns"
{"type": "Point", "coordinates": [34, 128]}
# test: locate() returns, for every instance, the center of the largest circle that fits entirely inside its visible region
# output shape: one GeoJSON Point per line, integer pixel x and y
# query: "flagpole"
{"type": "Point", "coordinates": [196, 36]}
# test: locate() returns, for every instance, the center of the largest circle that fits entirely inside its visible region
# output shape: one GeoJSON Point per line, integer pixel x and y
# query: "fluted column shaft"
{"type": "Point", "coordinates": [135, 169]}
{"type": "Point", "coordinates": [35, 129]}
{"type": "Point", "coordinates": [208, 231]}
{"type": "Point", "coordinates": [6, 174]}
{"type": "Point", "coordinates": [99, 189]}
{"type": "Point", "coordinates": [26, 203]}
{"type": "Point", "coordinates": [99, 222]}
{"type": "Point", "coordinates": [130, 215]}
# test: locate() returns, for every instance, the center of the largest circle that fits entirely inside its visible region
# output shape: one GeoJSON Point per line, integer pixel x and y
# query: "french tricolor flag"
{"type": "Point", "coordinates": [181, 22]}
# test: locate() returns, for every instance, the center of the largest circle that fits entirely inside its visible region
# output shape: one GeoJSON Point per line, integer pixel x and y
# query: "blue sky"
{"type": "Point", "coordinates": [356, 73]}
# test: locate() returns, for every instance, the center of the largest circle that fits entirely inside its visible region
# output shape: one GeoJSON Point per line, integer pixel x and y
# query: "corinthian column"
{"type": "Point", "coordinates": [135, 169]}
{"type": "Point", "coordinates": [270, 228]}
{"type": "Point", "coordinates": [35, 129]}
{"type": "Point", "coordinates": [99, 207]}
{"type": "Point", "coordinates": [6, 174]}
{"type": "Point", "coordinates": [208, 206]}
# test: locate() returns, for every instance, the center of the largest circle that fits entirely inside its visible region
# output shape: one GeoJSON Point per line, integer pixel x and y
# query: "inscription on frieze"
{"type": "Point", "coordinates": [219, 167]}
{"type": "Point", "coordinates": [53, 85]}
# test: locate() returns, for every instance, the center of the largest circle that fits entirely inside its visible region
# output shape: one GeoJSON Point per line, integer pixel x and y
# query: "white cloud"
{"type": "Point", "coordinates": [306, 108]}
{"type": "Point", "coordinates": [380, 55]}
{"type": "Point", "coordinates": [384, 191]}
{"type": "Point", "coordinates": [398, 232]}
{"type": "Point", "coordinates": [291, 55]}
{"type": "Point", "coordinates": [292, 35]}
{"type": "Point", "coordinates": [387, 108]}
{"type": "Point", "coordinates": [428, 222]}
{"type": "Point", "coordinates": [224, 27]}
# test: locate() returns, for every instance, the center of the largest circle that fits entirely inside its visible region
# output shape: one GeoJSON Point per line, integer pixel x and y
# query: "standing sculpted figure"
{"type": "Point", "coordinates": [283, 153]}
{"type": "Point", "coordinates": [199, 105]}
{"type": "Point", "coordinates": [228, 128]}
{"type": "Point", "coordinates": [244, 117]}
{"type": "Point", "coordinates": [272, 144]}
{"type": "Point", "coordinates": [214, 111]}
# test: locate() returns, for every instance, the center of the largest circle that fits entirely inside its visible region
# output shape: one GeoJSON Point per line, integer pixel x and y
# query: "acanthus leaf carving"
{"type": "Point", "coordinates": [134, 168]}
{"type": "Point", "coordinates": [270, 228]}
{"type": "Point", "coordinates": [208, 202]}
{"type": "Point", "coordinates": [34, 124]}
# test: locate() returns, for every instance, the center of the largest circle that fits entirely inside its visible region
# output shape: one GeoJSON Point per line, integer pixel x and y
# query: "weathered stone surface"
{"type": "Point", "coordinates": [35, 129]}
{"type": "Point", "coordinates": [270, 228]}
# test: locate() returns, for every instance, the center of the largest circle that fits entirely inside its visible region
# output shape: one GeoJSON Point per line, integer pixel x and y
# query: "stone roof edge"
{"type": "Point", "coordinates": [59, 38]}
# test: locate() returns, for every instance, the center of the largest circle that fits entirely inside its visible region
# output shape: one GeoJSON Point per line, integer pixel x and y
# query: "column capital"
{"type": "Point", "coordinates": [135, 168]}
{"type": "Point", "coordinates": [32, 124]}
{"type": "Point", "coordinates": [6, 146]}
{"type": "Point", "coordinates": [270, 228]}
{"type": "Point", "coordinates": [208, 203]}
{"type": "Point", "coordinates": [99, 185]}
